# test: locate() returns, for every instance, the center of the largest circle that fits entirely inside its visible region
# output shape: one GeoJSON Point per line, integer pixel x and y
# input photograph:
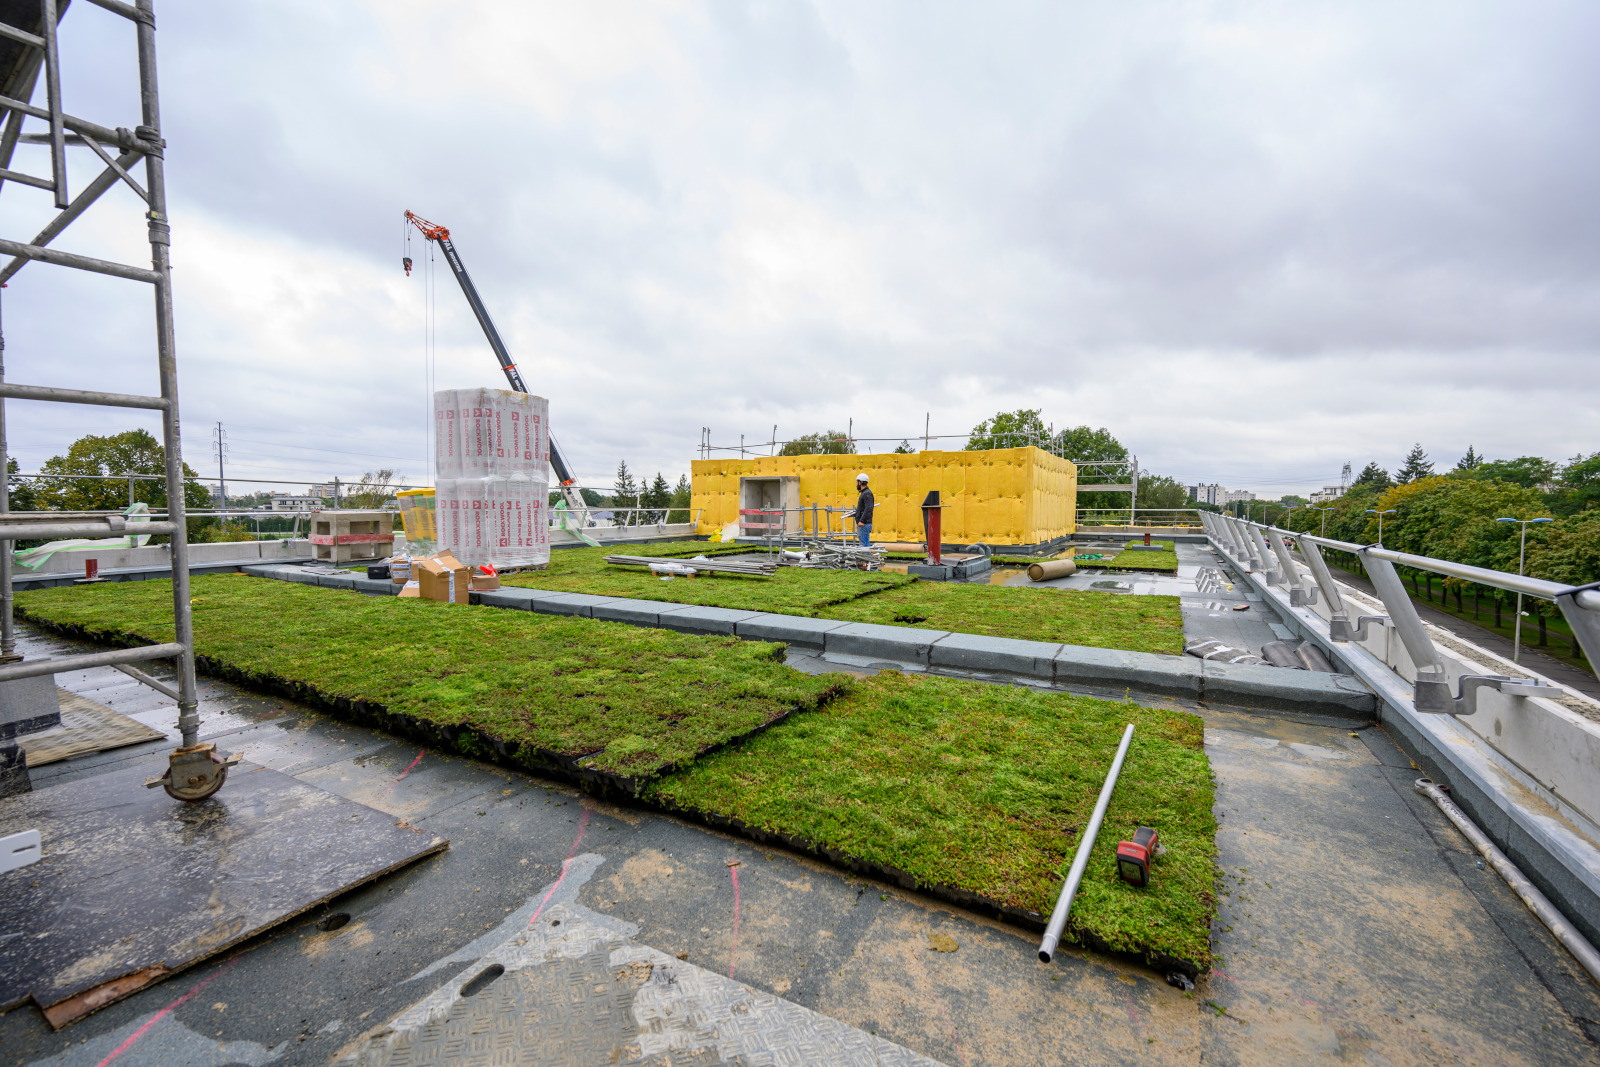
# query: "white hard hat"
{"type": "Point", "coordinates": [861, 477]}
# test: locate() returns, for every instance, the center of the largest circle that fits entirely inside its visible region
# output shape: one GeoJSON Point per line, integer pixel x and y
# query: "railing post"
{"type": "Point", "coordinates": [1299, 595]}
{"type": "Point", "coordinates": [1431, 690]}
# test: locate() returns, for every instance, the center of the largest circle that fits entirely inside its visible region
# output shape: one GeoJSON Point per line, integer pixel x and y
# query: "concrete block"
{"type": "Point", "coordinates": [376, 586]}
{"type": "Point", "coordinates": [899, 644]}
{"type": "Point", "coordinates": [635, 612]}
{"type": "Point", "coordinates": [337, 581]}
{"type": "Point", "coordinates": [797, 631]}
{"type": "Point", "coordinates": [999, 655]}
{"type": "Point", "coordinates": [28, 705]}
{"type": "Point", "coordinates": [344, 536]}
{"type": "Point", "coordinates": [510, 597]}
{"type": "Point", "coordinates": [569, 604]}
{"type": "Point", "coordinates": [1145, 672]}
{"type": "Point", "coordinates": [691, 619]}
{"type": "Point", "coordinates": [292, 574]}
{"type": "Point", "coordinates": [1261, 686]}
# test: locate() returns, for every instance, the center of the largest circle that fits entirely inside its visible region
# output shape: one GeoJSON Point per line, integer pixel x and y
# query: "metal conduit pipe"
{"type": "Point", "coordinates": [1069, 888]}
{"type": "Point", "coordinates": [1573, 941]}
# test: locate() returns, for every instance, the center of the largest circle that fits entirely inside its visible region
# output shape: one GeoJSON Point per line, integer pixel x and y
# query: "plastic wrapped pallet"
{"type": "Point", "coordinates": [492, 476]}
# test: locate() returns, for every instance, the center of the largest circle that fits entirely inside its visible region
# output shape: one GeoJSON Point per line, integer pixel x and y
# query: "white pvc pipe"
{"type": "Point", "coordinates": [1573, 941]}
{"type": "Point", "coordinates": [1069, 888]}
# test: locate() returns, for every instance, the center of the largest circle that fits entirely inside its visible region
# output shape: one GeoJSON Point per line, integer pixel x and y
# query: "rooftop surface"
{"type": "Point", "coordinates": [1354, 924]}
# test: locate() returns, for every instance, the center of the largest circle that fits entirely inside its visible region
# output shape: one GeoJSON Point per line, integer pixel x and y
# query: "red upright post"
{"type": "Point", "coordinates": [930, 523]}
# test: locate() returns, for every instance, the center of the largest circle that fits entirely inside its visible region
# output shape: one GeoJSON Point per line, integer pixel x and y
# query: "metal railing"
{"type": "Point", "coordinates": [1264, 550]}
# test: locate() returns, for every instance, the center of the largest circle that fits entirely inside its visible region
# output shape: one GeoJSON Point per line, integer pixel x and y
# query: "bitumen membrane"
{"type": "Point", "coordinates": [1354, 925]}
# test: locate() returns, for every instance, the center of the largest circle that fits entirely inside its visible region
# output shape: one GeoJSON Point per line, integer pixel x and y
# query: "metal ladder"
{"type": "Point", "coordinates": [195, 771]}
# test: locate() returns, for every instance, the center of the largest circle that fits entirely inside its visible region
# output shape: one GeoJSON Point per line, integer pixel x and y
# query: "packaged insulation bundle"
{"type": "Point", "coordinates": [492, 463]}
{"type": "Point", "coordinates": [480, 432]}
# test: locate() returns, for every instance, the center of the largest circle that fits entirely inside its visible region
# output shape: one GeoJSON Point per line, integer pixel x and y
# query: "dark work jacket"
{"type": "Point", "coordinates": [864, 505]}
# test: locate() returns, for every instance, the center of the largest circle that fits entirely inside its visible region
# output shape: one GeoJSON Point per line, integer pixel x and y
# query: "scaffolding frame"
{"type": "Point", "coordinates": [194, 772]}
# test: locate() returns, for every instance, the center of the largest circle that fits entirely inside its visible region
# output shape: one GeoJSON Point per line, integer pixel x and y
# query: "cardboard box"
{"type": "Point", "coordinates": [400, 570]}
{"type": "Point", "coordinates": [412, 588]}
{"type": "Point", "coordinates": [483, 583]}
{"type": "Point", "coordinates": [444, 578]}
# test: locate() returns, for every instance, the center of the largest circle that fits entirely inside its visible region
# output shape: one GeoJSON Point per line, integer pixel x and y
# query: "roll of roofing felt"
{"type": "Point", "coordinates": [1052, 568]}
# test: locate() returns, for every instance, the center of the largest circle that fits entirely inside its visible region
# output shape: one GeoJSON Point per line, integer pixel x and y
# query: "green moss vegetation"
{"type": "Point", "coordinates": [791, 591]}
{"type": "Point", "coordinates": [1070, 616]}
{"type": "Point", "coordinates": [1133, 559]}
{"type": "Point", "coordinates": [985, 788]}
{"type": "Point", "coordinates": [966, 787]}
{"type": "Point", "coordinates": [637, 699]}
{"type": "Point", "coordinates": [1075, 617]}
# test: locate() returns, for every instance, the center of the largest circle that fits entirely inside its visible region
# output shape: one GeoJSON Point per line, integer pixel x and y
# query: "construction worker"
{"type": "Point", "coordinates": [863, 512]}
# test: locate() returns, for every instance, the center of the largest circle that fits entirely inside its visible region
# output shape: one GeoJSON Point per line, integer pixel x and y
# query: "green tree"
{"type": "Point", "coordinates": [625, 494]}
{"type": "Point", "coordinates": [658, 495]}
{"type": "Point", "coordinates": [1470, 461]}
{"type": "Point", "coordinates": [1373, 476]}
{"type": "Point", "coordinates": [371, 491]}
{"type": "Point", "coordinates": [1567, 550]}
{"type": "Point", "coordinates": [22, 494]}
{"type": "Point", "coordinates": [682, 496]}
{"type": "Point", "coordinates": [130, 452]}
{"type": "Point", "coordinates": [828, 443]}
{"type": "Point", "coordinates": [1082, 443]}
{"type": "Point", "coordinates": [1159, 492]}
{"type": "Point", "coordinates": [1416, 465]}
{"type": "Point", "coordinates": [1579, 487]}
{"type": "Point", "coordinates": [904, 448]}
{"type": "Point", "coordinates": [1010, 429]}
{"type": "Point", "coordinates": [1530, 472]}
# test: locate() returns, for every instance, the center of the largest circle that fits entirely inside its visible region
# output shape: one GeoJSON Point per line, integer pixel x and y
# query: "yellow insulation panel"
{"type": "Point", "coordinates": [1005, 496]}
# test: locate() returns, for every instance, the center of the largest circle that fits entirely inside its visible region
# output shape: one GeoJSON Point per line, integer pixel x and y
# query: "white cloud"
{"type": "Point", "coordinates": [1253, 242]}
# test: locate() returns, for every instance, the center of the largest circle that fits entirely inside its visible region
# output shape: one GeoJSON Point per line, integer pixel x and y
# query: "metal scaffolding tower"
{"type": "Point", "coordinates": [27, 49]}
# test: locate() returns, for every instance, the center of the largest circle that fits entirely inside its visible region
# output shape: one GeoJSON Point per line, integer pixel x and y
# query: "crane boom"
{"type": "Point", "coordinates": [441, 236]}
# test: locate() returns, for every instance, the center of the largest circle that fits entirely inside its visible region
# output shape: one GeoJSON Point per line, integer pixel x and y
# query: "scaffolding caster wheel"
{"type": "Point", "coordinates": [194, 773]}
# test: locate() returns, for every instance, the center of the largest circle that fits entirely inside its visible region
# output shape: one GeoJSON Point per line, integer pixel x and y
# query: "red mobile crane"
{"type": "Point", "coordinates": [441, 236]}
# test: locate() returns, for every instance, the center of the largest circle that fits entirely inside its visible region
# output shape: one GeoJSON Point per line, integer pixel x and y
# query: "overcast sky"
{"type": "Point", "coordinates": [1255, 241]}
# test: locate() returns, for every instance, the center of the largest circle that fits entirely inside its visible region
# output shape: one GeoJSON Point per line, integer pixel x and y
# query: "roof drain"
{"type": "Point", "coordinates": [1537, 902]}
{"type": "Point", "coordinates": [1069, 888]}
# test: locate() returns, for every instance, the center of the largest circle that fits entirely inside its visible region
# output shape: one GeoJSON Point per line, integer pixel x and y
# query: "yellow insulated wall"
{"type": "Point", "coordinates": [1006, 496]}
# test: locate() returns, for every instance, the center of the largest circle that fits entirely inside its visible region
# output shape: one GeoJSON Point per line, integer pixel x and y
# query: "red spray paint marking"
{"type": "Point", "coordinates": [164, 1012]}
{"type": "Point", "coordinates": [583, 824]}
{"type": "Point", "coordinates": [405, 772]}
{"type": "Point", "coordinates": [733, 954]}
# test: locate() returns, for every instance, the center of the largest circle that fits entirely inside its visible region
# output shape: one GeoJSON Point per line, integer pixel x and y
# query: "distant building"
{"type": "Point", "coordinates": [287, 502]}
{"type": "Point", "coordinates": [1327, 493]}
{"type": "Point", "coordinates": [1208, 494]}
{"type": "Point", "coordinates": [1239, 494]}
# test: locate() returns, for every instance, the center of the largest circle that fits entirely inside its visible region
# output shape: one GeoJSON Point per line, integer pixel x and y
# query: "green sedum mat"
{"type": "Point", "coordinates": [968, 788]}
{"type": "Point", "coordinates": [638, 699]}
{"type": "Point", "coordinates": [1074, 617]}
{"type": "Point", "coordinates": [984, 788]}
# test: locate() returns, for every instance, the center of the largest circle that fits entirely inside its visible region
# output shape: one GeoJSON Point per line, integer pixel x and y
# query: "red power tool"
{"type": "Point", "coordinates": [1133, 857]}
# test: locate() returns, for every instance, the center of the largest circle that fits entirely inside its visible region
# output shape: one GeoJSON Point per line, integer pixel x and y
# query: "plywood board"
{"type": "Point", "coordinates": [135, 886]}
{"type": "Point", "coordinates": [86, 726]}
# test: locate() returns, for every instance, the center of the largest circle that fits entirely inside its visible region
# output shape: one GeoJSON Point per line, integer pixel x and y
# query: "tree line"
{"type": "Point", "coordinates": [662, 502]}
{"type": "Point", "coordinates": [1453, 516]}
{"type": "Point", "coordinates": [1024, 427]}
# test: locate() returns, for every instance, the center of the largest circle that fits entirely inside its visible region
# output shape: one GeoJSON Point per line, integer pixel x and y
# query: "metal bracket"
{"type": "Point", "coordinates": [1341, 631]}
{"type": "Point", "coordinates": [1432, 695]}
{"type": "Point", "coordinates": [194, 773]}
{"type": "Point", "coordinates": [1302, 598]}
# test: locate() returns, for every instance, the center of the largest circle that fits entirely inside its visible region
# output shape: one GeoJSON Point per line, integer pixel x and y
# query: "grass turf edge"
{"type": "Point", "coordinates": [964, 898]}
{"type": "Point", "coordinates": [462, 739]}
